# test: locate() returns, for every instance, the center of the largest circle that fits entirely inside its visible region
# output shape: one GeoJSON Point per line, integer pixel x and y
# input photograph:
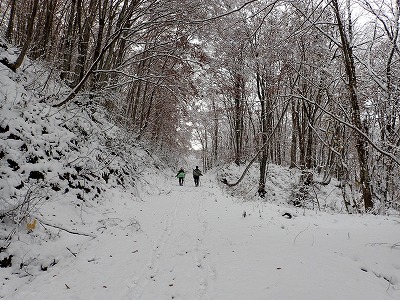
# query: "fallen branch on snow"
{"type": "Point", "coordinates": [294, 242]}
{"type": "Point", "coordinates": [65, 229]}
{"type": "Point", "coordinates": [391, 245]}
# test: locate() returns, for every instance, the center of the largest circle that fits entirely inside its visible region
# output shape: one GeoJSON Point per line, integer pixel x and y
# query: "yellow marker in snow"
{"type": "Point", "coordinates": [31, 226]}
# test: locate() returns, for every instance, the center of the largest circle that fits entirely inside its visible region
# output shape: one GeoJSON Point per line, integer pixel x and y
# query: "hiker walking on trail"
{"type": "Point", "coordinates": [196, 176]}
{"type": "Point", "coordinates": [181, 176]}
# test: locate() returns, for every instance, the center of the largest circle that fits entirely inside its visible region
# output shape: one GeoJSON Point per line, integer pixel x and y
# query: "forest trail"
{"type": "Point", "coordinates": [203, 247]}
{"type": "Point", "coordinates": [177, 264]}
{"type": "Point", "coordinates": [186, 242]}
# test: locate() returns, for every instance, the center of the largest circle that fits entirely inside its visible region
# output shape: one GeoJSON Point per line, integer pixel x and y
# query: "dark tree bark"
{"type": "Point", "coordinates": [261, 92]}
{"type": "Point", "coordinates": [361, 146]}
{"type": "Point", "coordinates": [84, 36]}
{"type": "Point", "coordinates": [45, 30]}
{"type": "Point", "coordinates": [102, 13]}
{"type": "Point", "coordinates": [216, 132]}
{"type": "Point", "coordinates": [295, 122]}
{"type": "Point", "coordinates": [10, 26]}
{"type": "Point", "coordinates": [238, 121]}
{"type": "Point", "coordinates": [29, 34]}
{"type": "Point", "coordinates": [67, 45]}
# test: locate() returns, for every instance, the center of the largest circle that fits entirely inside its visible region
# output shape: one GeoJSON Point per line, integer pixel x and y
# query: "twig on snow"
{"type": "Point", "coordinates": [65, 229]}
{"type": "Point", "coordinates": [391, 245]}
{"type": "Point", "coordinates": [294, 242]}
{"type": "Point", "coordinates": [74, 254]}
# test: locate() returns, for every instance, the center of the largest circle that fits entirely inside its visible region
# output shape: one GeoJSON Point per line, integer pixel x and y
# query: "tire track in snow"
{"type": "Point", "coordinates": [178, 263]}
{"type": "Point", "coordinates": [152, 267]}
{"type": "Point", "coordinates": [208, 271]}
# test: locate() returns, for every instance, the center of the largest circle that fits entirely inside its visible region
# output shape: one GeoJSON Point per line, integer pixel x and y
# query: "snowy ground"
{"type": "Point", "coordinates": [195, 243]}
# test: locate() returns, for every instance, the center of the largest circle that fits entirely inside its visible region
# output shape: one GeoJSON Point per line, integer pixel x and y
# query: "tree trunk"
{"type": "Point", "coordinates": [215, 137]}
{"type": "Point", "coordinates": [261, 87]}
{"type": "Point", "coordinates": [293, 146]}
{"type": "Point", "coordinates": [45, 34]}
{"type": "Point", "coordinates": [67, 45]}
{"type": "Point", "coordinates": [84, 36]}
{"type": "Point", "coordinates": [238, 95]}
{"type": "Point", "coordinates": [10, 26]}
{"type": "Point", "coordinates": [361, 146]}
{"type": "Point", "coordinates": [103, 6]}
{"type": "Point", "coordinates": [14, 66]}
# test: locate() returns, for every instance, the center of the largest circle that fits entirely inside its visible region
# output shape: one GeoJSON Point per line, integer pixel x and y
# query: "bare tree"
{"type": "Point", "coordinates": [10, 26]}
{"type": "Point", "coordinates": [348, 60]}
{"type": "Point", "coordinates": [29, 34]}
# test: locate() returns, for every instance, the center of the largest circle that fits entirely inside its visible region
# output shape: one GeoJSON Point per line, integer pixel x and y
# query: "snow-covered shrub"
{"type": "Point", "coordinates": [304, 192]}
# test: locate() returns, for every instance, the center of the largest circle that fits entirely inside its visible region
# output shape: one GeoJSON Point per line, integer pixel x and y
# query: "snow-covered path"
{"type": "Point", "coordinates": [176, 264]}
{"type": "Point", "coordinates": [194, 243]}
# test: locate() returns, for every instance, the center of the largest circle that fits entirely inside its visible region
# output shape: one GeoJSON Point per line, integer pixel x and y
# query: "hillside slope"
{"type": "Point", "coordinates": [58, 169]}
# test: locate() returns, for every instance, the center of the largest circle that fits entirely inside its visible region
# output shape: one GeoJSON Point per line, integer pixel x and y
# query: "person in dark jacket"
{"type": "Point", "coordinates": [196, 176]}
{"type": "Point", "coordinates": [181, 176]}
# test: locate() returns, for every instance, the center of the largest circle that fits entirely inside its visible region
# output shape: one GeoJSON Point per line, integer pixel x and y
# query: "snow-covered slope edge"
{"type": "Point", "coordinates": [283, 188]}
{"type": "Point", "coordinates": [62, 174]}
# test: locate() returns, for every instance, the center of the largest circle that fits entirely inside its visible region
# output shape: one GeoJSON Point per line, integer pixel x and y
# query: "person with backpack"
{"type": "Point", "coordinates": [181, 176]}
{"type": "Point", "coordinates": [196, 176]}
